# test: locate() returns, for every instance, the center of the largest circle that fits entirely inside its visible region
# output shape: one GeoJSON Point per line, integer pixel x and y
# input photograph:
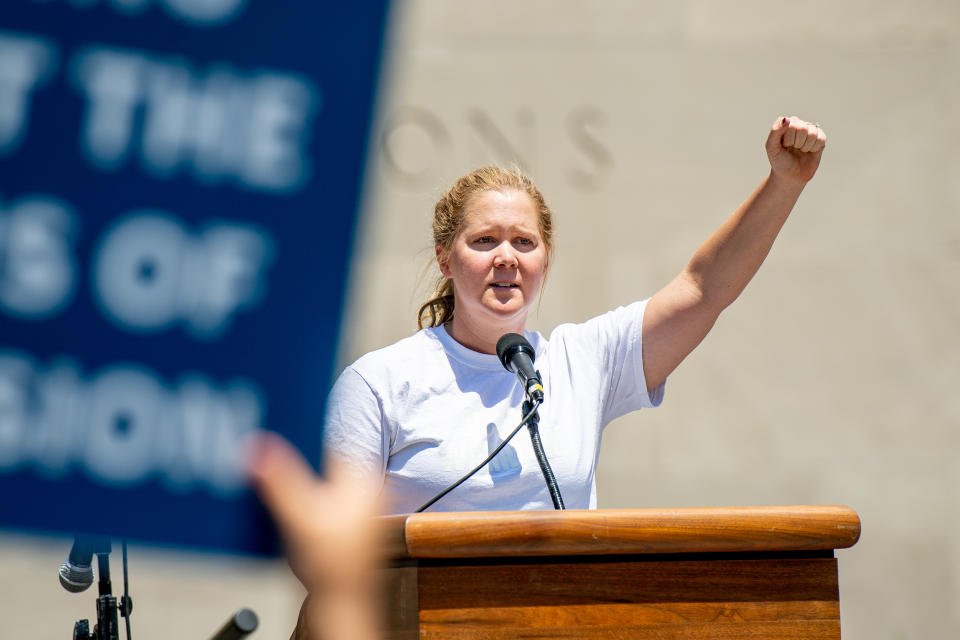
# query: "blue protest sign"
{"type": "Point", "coordinates": [179, 182]}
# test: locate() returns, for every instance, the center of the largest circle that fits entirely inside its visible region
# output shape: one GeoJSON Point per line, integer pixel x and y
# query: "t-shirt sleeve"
{"type": "Point", "coordinates": [354, 433]}
{"type": "Point", "coordinates": [615, 342]}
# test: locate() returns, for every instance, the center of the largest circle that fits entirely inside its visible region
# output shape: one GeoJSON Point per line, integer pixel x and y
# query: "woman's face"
{"type": "Point", "coordinates": [498, 260]}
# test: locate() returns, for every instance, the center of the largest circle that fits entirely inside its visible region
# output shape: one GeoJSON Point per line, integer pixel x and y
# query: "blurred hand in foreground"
{"type": "Point", "coordinates": [330, 538]}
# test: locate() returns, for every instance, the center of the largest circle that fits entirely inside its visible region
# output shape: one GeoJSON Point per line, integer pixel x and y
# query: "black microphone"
{"type": "Point", "coordinates": [240, 625]}
{"type": "Point", "coordinates": [76, 574]}
{"type": "Point", "coordinates": [517, 355]}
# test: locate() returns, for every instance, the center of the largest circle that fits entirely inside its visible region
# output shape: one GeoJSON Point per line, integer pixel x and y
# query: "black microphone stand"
{"type": "Point", "coordinates": [533, 426]}
{"type": "Point", "coordinates": [108, 626]}
{"type": "Point", "coordinates": [240, 625]}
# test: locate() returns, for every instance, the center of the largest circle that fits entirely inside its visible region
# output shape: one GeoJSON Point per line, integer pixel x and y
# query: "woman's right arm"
{"type": "Point", "coordinates": [354, 432]}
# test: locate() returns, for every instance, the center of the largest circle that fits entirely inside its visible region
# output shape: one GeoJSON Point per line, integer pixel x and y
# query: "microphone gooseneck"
{"type": "Point", "coordinates": [533, 427]}
{"type": "Point", "coordinates": [517, 355]}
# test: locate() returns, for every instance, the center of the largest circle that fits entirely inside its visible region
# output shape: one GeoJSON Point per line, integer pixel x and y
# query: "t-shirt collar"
{"type": "Point", "coordinates": [487, 361]}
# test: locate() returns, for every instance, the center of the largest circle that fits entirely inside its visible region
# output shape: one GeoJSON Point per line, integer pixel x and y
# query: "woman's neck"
{"type": "Point", "coordinates": [478, 337]}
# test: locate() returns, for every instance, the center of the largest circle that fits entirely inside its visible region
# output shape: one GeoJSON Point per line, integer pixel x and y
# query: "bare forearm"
{"type": "Point", "coordinates": [723, 266]}
{"type": "Point", "coordinates": [679, 316]}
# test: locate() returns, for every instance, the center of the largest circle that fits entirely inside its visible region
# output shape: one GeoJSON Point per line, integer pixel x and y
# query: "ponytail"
{"type": "Point", "coordinates": [439, 308]}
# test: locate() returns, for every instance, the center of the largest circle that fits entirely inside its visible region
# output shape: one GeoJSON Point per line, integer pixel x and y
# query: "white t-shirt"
{"type": "Point", "coordinates": [426, 410]}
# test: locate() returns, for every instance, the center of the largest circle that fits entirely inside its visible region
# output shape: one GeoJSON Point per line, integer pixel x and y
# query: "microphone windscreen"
{"type": "Point", "coordinates": [510, 343]}
{"type": "Point", "coordinates": [75, 578]}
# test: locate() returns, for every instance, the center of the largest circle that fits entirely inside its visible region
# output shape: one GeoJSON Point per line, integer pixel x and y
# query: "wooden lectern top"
{"type": "Point", "coordinates": [621, 531]}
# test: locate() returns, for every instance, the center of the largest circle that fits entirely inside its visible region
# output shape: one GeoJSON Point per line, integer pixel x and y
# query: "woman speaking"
{"type": "Point", "coordinates": [418, 414]}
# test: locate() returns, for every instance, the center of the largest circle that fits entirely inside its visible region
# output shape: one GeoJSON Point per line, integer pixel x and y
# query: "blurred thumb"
{"type": "Point", "coordinates": [281, 477]}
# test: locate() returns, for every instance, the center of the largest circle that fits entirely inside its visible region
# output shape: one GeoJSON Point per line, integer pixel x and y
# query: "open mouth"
{"type": "Point", "coordinates": [504, 285]}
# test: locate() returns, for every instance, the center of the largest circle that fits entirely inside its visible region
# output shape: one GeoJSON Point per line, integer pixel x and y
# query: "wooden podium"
{"type": "Point", "coordinates": [744, 572]}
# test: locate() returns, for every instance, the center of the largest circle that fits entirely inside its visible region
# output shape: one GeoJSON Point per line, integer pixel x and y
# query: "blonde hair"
{"type": "Point", "coordinates": [448, 216]}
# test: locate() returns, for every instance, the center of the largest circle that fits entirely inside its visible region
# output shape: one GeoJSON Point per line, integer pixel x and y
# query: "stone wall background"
{"type": "Point", "coordinates": [832, 379]}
